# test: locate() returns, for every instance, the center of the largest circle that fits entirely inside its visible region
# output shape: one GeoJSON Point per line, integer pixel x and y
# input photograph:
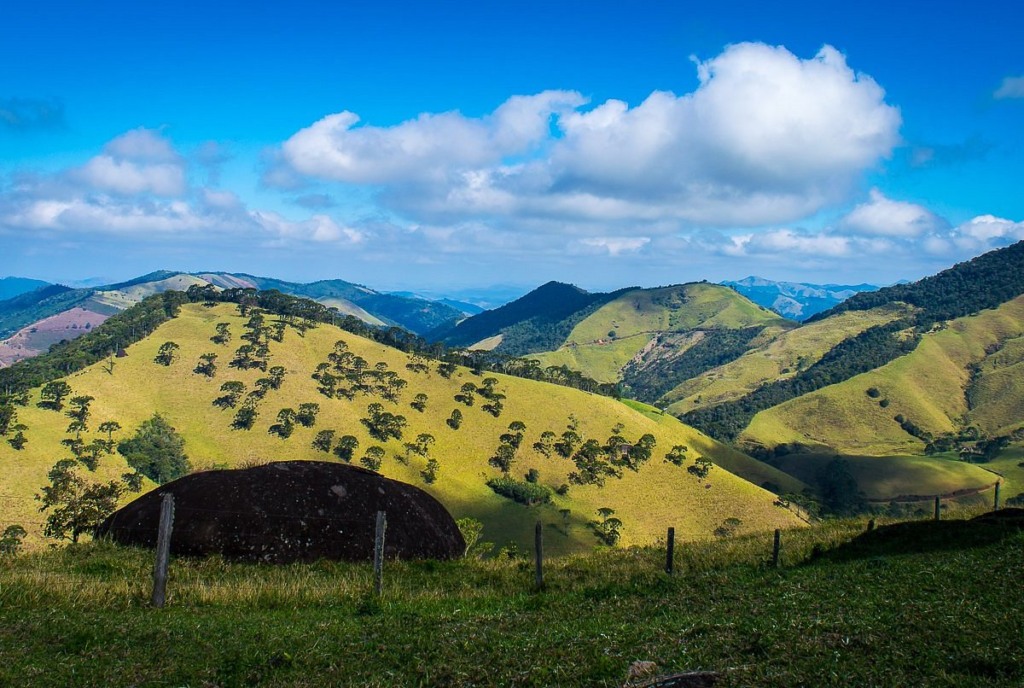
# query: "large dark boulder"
{"type": "Point", "coordinates": [291, 511]}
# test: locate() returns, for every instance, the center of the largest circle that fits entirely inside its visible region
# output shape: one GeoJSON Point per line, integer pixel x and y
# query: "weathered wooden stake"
{"type": "Point", "coordinates": [775, 549]}
{"type": "Point", "coordinates": [671, 551]}
{"type": "Point", "coordinates": [538, 546]}
{"type": "Point", "coordinates": [163, 550]}
{"type": "Point", "coordinates": [378, 553]}
{"type": "Point", "coordinates": [937, 504]}
{"type": "Point", "coordinates": [871, 525]}
{"type": "Point", "coordinates": [995, 502]}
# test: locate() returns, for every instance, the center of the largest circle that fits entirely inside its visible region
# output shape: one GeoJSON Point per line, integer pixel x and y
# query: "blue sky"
{"type": "Point", "coordinates": [445, 145]}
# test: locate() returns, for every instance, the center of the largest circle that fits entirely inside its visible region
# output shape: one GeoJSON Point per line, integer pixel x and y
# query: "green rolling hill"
{"type": "Point", "coordinates": [132, 388]}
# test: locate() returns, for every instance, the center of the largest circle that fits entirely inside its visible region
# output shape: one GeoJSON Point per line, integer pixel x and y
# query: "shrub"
{"type": "Point", "coordinates": [522, 492]}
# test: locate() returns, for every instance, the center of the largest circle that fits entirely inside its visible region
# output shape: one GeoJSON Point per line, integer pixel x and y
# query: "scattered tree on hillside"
{"type": "Point", "coordinates": [419, 402]}
{"type": "Point", "coordinates": [18, 441]}
{"type": "Point", "coordinates": [166, 354]}
{"type": "Point", "coordinates": [445, 369]}
{"type": "Point", "coordinates": [676, 455]}
{"type": "Point", "coordinates": [455, 420]}
{"type": "Point", "coordinates": [839, 491]}
{"type": "Point", "coordinates": [223, 335]}
{"type": "Point", "coordinates": [323, 441]}
{"type": "Point", "coordinates": [276, 376]}
{"type": "Point", "coordinates": [109, 427]}
{"type": "Point", "coordinates": [52, 395]}
{"type": "Point", "coordinates": [465, 395]}
{"type": "Point", "coordinates": [246, 416]}
{"type": "Point", "coordinates": [607, 527]}
{"type": "Point", "coordinates": [383, 424]}
{"type": "Point", "coordinates": [700, 468]}
{"type": "Point", "coordinates": [373, 458]}
{"type": "Point", "coordinates": [544, 445]}
{"type": "Point", "coordinates": [233, 391]}
{"type": "Point", "coordinates": [156, 450]}
{"type": "Point", "coordinates": [76, 506]}
{"type": "Point", "coordinates": [207, 365]}
{"type": "Point", "coordinates": [79, 413]}
{"type": "Point", "coordinates": [306, 416]}
{"type": "Point", "coordinates": [10, 541]}
{"type": "Point", "coordinates": [285, 423]}
{"type": "Point", "coordinates": [430, 472]}
{"type": "Point", "coordinates": [346, 448]}
{"type": "Point", "coordinates": [417, 364]}
{"type": "Point", "coordinates": [8, 418]}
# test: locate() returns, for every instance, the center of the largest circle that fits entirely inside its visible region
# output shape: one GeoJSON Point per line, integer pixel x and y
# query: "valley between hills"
{"type": "Point", "coordinates": [687, 405]}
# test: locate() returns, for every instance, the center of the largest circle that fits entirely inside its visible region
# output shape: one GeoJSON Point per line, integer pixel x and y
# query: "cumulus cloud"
{"type": "Point", "coordinates": [428, 147]}
{"type": "Point", "coordinates": [137, 162]}
{"type": "Point", "coordinates": [23, 114]}
{"type": "Point", "coordinates": [767, 137]}
{"type": "Point", "coordinates": [1012, 87]}
{"type": "Point", "coordinates": [882, 216]}
{"type": "Point", "coordinates": [615, 246]}
{"type": "Point", "coordinates": [137, 188]}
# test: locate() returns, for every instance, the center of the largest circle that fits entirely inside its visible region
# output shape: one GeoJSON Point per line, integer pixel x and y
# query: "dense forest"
{"type": "Point", "coordinates": [983, 282]}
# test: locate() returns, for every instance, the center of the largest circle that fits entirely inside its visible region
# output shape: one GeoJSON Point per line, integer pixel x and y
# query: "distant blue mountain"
{"type": "Point", "coordinates": [16, 286]}
{"type": "Point", "coordinates": [796, 300]}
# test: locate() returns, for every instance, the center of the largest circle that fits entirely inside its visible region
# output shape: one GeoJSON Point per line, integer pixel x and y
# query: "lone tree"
{"type": "Point", "coordinates": [419, 402]}
{"type": "Point", "coordinates": [156, 451]}
{"type": "Point", "coordinates": [77, 506]}
{"type": "Point", "coordinates": [166, 354]}
{"type": "Point", "coordinates": [207, 365]}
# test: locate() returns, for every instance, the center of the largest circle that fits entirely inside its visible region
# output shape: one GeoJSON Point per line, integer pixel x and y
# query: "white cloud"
{"type": "Point", "coordinates": [137, 189]}
{"type": "Point", "coordinates": [789, 242]}
{"type": "Point", "coordinates": [129, 178]}
{"type": "Point", "coordinates": [1012, 87]}
{"type": "Point", "coordinates": [882, 216]}
{"type": "Point", "coordinates": [429, 147]}
{"type": "Point", "coordinates": [615, 246]}
{"type": "Point", "coordinates": [137, 162]}
{"type": "Point", "coordinates": [766, 138]}
{"type": "Point", "coordinates": [989, 229]}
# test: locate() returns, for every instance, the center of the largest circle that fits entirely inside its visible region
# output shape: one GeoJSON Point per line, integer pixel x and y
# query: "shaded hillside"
{"type": "Point", "coordinates": [983, 282]}
{"type": "Point", "coordinates": [538, 321]}
{"type": "Point", "coordinates": [795, 300]}
{"type": "Point", "coordinates": [15, 286]}
{"type": "Point", "coordinates": [316, 370]}
{"type": "Point", "coordinates": [961, 375]}
{"type": "Point", "coordinates": [27, 308]}
{"type": "Point", "coordinates": [777, 354]}
{"type": "Point", "coordinates": [651, 339]}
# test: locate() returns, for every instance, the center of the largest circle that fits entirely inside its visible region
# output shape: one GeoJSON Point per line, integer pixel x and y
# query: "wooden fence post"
{"type": "Point", "coordinates": [538, 547]}
{"type": "Point", "coordinates": [378, 553]}
{"type": "Point", "coordinates": [163, 550]}
{"type": "Point", "coordinates": [776, 561]}
{"type": "Point", "coordinates": [937, 505]}
{"type": "Point", "coordinates": [995, 502]}
{"type": "Point", "coordinates": [871, 525]}
{"type": "Point", "coordinates": [671, 550]}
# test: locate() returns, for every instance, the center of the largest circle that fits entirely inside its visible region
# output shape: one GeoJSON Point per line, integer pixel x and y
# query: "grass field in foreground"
{"type": "Point", "coordinates": [920, 604]}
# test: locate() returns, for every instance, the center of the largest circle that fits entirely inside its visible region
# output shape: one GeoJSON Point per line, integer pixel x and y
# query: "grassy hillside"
{"type": "Point", "coordinates": [914, 604]}
{"type": "Point", "coordinates": [603, 343]}
{"type": "Point", "coordinates": [927, 387]}
{"type": "Point", "coordinates": [782, 354]}
{"type": "Point", "coordinates": [660, 494]}
{"type": "Point", "coordinates": [903, 478]}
